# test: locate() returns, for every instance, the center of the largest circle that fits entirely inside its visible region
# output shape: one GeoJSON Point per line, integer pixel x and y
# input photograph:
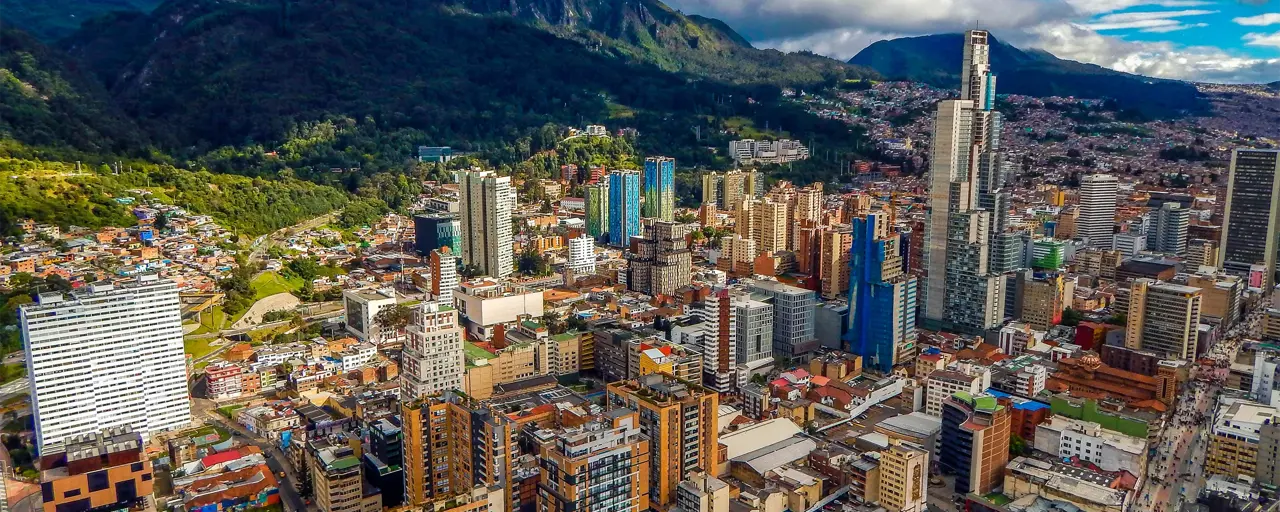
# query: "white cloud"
{"type": "Point", "coordinates": [841, 43]}
{"type": "Point", "coordinates": [1147, 24]}
{"type": "Point", "coordinates": [1258, 39]}
{"type": "Point", "coordinates": [1092, 7]}
{"type": "Point", "coordinates": [1260, 20]}
{"type": "Point", "coordinates": [1174, 28]}
{"type": "Point", "coordinates": [1152, 21]}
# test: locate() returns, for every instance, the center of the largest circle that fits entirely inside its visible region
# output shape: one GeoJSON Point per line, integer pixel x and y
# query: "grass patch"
{"type": "Point", "coordinates": [212, 320]}
{"type": "Point", "coordinates": [223, 435]}
{"type": "Point", "coordinates": [198, 347]}
{"type": "Point", "coordinates": [260, 336]}
{"type": "Point", "coordinates": [230, 411]}
{"type": "Point", "coordinates": [474, 351]}
{"type": "Point", "coordinates": [270, 283]}
{"type": "Point", "coordinates": [12, 372]}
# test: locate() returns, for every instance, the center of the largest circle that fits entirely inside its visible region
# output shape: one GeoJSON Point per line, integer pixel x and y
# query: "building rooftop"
{"type": "Point", "coordinates": [778, 454]}
{"type": "Point", "coordinates": [1082, 483]}
{"type": "Point", "coordinates": [1122, 442]}
{"type": "Point", "coordinates": [916, 424]}
{"type": "Point", "coordinates": [1243, 419]}
{"type": "Point", "coordinates": [755, 436]}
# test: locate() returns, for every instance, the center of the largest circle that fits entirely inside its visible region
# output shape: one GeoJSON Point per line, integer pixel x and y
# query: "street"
{"type": "Point", "coordinates": [276, 460]}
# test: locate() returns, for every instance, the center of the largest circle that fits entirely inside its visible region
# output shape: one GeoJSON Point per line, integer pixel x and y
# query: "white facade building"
{"type": "Point", "coordinates": [361, 309]}
{"type": "Point", "coordinates": [1129, 244]}
{"type": "Point", "coordinates": [486, 202]}
{"type": "Point", "coordinates": [432, 360]}
{"type": "Point", "coordinates": [582, 255]}
{"type": "Point", "coordinates": [1111, 451]}
{"type": "Point", "coordinates": [107, 357]}
{"type": "Point", "coordinates": [944, 383]}
{"type": "Point", "coordinates": [487, 303]}
{"type": "Point", "coordinates": [1097, 209]}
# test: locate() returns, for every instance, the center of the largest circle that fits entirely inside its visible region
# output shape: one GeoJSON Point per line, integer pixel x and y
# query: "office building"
{"type": "Point", "coordinates": [487, 202]}
{"type": "Point", "coordinates": [833, 267]}
{"type": "Point", "coordinates": [882, 297]}
{"type": "Point", "coordinates": [663, 262]}
{"type": "Point", "coordinates": [1064, 438]}
{"type": "Point", "coordinates": [603, 465]}
{"type": "Point", "coordinates": [943, 384]}
{"type": "Point", "coordinates": [432, 361]}
{"type": "Point", "coordinates": [1044, 296]}
{"type": "Point", "coordinates": [1098, 209]}
{"type": "Point", "coordinates": [681, 422]}
{"type": "Point", "coordinates": [624, 207]}
{"type": "Point", "coordinates": [1252, 215]}
{"type": "Point", "coordinates": [754, 321]}
{"type": "Point", "coordinates": [106, 470]}
{"type": "Point", "coordinates": [660, 188]}
{"type": "Point", "coordinates": [1233, 447]}
{"type": "Point", "coordinates": [904, 473]}
{"type": "Point", "coordinates": [793, 318]}
{"type": "Point", "coordinates": [106, 356]}
{"type": "Point", "coordinates": [1221, 297]}
{"type": "Point", "coordinates": [1201, 253]}
{"type": "Point", "coordinates": [444, 274]}
{"type": "Point", "coordinates": [715, 334]}
{"type": "Point", "coordinates": [582, 255]}
{"type": "Point", "coordinates": [1129, 244]}
{"type": "Point", "coordinates": [1163, 318]}
{"type": "Point", "coordinates": [959, 292]}
{"type": "Point", "coordinates": [597, 203]}
{"type": "Point", "coordinates": [432, 232]}
{"type": "Point", "coordinates": [361, 309]}
{"type": "Point", "coordinates": [1169, 234]}
{"type": "Point", "coordinates": [975, 441]}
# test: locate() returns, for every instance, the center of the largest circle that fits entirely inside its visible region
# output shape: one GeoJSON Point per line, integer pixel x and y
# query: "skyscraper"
{"type": "Point", "coordinates": [660, 187]}
{"type": "Point", "coordinates": [105, 357]}
{"type": "Point", "coordinates": [1163, 318]}
{"type": "Point", "coordinates": [597, 203]}
{"type": "Point", "coordinates": [582, 255]}
{"type": "Point", "coordinates": [1251, 224]}
{"type": "Point", "coordinates": [682, 423]}
{"type": "Point", "coordinates": [793, 318]}
{"type": "Point", "coordinates": [432, 357]}
{"type": "Point", "coordinates": [961, 290]}
{"type": "Point", "coordinates": [1097, 209]}
{"type": "Point", "coordinates": [771, 227]}
{"type": "Point", "coordinates": [432, 232]}
{"type": "Point", "coordinates": [624, 207]}
{"type": "Point", "coordinates": [1169, 235]}
{"type": "Point", "coordinates": [882, 297]}
{"type": "Point", "coordinates": [487, 202]}
{"type": "Point", "coordinates": [603, 465]}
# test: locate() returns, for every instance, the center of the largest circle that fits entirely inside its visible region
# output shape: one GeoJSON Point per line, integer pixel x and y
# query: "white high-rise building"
{"type": "Point", "coordinates": [959, 233]}
{"type": "Point", "coordinates": [582, 255]}
{"type": "Point", "coordinates": [1098, 209]}
{"type": "Point", "coordinates": [1169, 233]}
{"type": "Point", "coordinates": [486, 202]}
{"type": "Point", "coordinates": [432, 357]}
{"type": "Point", "coordinates": [106, 357]}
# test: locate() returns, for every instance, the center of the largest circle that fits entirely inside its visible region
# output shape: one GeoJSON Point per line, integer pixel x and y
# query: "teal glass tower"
{"type": "Point", "coordinates": [624, 207]}
{"type": "Point", "coordinates": [660, 187]}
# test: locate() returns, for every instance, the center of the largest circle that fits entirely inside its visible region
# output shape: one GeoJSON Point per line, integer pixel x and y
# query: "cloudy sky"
{"type": "Point", "coordinates": [1207, 40]}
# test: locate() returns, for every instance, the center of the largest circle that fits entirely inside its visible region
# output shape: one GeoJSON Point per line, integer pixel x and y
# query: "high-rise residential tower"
{"type": "Point", "coordinates": [582, 255]}
{"type": "Point", "coordinates": [1251, 222]}
{"type": "Point", "coordinates": [432, 358]}
{"type": "Point", "coordinates": [961, 290]}
{"type": "Point", "coordinates": [1169, 235]}
{"type": "Point", "coordinates": [1098, 209]}
{"type": "Point", "coordinates": [660, 187]}
{"type": "Point", "coordinates": [105, 357]}
{"type": "Point", "coordinates": [663, 262]}
{"type": "Point", "coordinates": [487, 202]}
{"type": "Point", "coordinates": [597, 204]}
{"type": "Point", "coordinates": [682, 424]}
{"type": "Point", "coordinates": [444, 275]}
{"type": "Point", "coordinates": [624, 207]}
{"type": "Point", "coordinates": [882, 297]}
{"type": "Point", "coordinates": [1163, 318]}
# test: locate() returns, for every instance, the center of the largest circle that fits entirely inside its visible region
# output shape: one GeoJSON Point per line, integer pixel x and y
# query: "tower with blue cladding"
{"type": "Point", "coordinates": [882, 297]}
{"type": "Point", "coordinates": [660, 187]}
{"type": "Point", "coordinates": [624, 207]}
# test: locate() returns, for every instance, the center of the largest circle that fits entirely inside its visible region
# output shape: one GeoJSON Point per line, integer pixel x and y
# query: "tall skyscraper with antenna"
{"type": "Point", "coordinates": [962, 292]}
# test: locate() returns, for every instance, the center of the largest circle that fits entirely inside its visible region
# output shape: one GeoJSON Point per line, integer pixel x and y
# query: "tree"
{"type": "Point", "coordinates": [533, 263]}
{"type": "Point", "coordinates": [1071, 317]}
{"type": "Point", "coordinates": [470, 271]}
{"type": "Point", "coordinates": [1017, 446]}
{"type": "Point", "coordinates": [1120, 318]}
{"type": "Point", "coordinates": [306, 269]}
{"type": "Point", "coordinates": [396, 317]}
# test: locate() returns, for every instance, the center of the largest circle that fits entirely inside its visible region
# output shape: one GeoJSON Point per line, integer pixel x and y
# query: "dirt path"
{"type": "Point", "coordinates": [266, 305]}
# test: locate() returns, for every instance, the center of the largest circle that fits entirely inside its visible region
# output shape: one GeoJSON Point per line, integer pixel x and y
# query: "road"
{"type": "Point", "coordinates": [276, 460]}
{"type": "Point", "coordinates": [265, 242]}
{"type": "Point", "coordinates": [1175, 474]}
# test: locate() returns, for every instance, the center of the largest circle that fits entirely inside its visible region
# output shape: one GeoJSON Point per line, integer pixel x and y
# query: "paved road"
{"type": "Point", "coordinates": [276, 460]}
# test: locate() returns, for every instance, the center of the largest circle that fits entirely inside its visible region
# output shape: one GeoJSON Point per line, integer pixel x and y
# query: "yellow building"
{"type": "Point", "coordinates": [772, 232]}
{"type": "Point", "coordinates": [834, 268]}
{"type": "Point", "coordinates": [1271, 324]}
{"type": "Point", "coordinates": [596, 466]}
{"type": "Point", "coordinates": [428, 451]}
{"type": "Point", "coordinates": [681, 419]}
{"type": "Point", "coordinates": [700, 492]}
{"type": "Point", "coordinates": [1233, 449]}
{"type": "Point", "coordinates": [1044, 297]}
{"type": "Point", "coordinates": [1164, 318]}
{"type": "Point", "coordinates": [904, 470]}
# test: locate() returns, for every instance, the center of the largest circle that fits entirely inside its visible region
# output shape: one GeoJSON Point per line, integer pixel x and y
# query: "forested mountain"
{"type": "Point", "coordinates": [936, 59]}
{"type": "Point", "coordinates": [51, 20]}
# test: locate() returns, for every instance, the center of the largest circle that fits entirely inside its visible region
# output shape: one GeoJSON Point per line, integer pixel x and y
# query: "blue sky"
{"type": "Point", "coordinates": [1231, 41]}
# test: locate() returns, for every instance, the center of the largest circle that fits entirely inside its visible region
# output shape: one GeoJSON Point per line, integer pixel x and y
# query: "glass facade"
{"type": "Point", "coordinates": [659, 188]}
{"type": "Point", "coordinates": [624, 207]}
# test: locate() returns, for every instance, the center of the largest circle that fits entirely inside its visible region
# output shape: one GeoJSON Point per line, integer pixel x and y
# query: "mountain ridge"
{"type": "Point", "coordinates": [936, 60]}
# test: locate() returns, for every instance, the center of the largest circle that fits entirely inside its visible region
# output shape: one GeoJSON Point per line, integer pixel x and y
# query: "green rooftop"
{"type": "Point", "coordinates": [347, 462]}
{"type": "Point", "coordinates": [531, 325]}
{"type": "Point", "coordinates": [566, 336]}
{"type": "Point", "coordinates": [998, 499]}
{"type": "Point", "coordinates": [474, 351]}
{"type": "Point", "coordinates": [986, 403]}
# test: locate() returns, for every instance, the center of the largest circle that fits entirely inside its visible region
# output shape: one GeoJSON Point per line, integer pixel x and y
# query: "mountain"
{"type": "Point", "coordinates": [46, 101]}
{"type": "Point", "coordinates": [936, 59]}
{"type": "Point", "coordinates": [51, 20]}
{"type": "Point", "coordinates": [345, 80]}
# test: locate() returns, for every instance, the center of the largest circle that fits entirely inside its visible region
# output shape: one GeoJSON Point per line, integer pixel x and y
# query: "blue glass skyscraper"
{"type": "Point", "coordinates": [660, 187]}
{"type": "Point", "coordinates": [624, 207]}
{"type": "Point", "coordinates": [882, 298]}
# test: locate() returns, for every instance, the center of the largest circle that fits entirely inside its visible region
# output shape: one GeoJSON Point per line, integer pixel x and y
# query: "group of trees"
{"type": "Point", "coordinates": [238, 287]}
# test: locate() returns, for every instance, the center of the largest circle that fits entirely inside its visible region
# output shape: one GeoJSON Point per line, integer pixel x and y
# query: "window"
{"type": "Point", "coordinates": [98, 481]}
